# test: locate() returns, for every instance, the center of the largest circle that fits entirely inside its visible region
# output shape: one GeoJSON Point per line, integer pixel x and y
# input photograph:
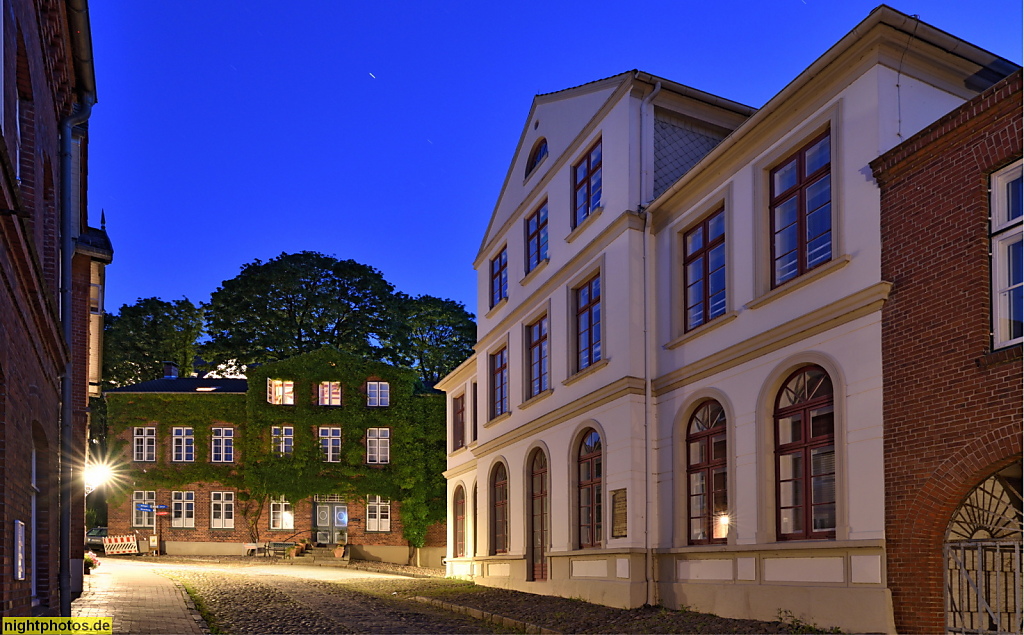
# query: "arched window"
{"type": "Point", "coordinates": [589, 495]}
{"type": "Point", "coordinates": [538, 515]}
{"type": "Point", "coordinates": [706, 474]}
{"type": "Point", "coordinates": [805, 456]}
{"type": "Point", "coordinates": [540, 150]}
{"type": "Point", "coordinates": [460, 522]}
{"type": "Point", "coordinates": [499, 510]}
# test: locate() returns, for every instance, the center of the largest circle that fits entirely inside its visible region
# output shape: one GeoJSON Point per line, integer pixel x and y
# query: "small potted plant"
{"type": "Point", "coordinates": [91, 562]}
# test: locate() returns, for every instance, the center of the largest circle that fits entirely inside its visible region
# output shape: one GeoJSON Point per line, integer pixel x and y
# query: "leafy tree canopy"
{"type": "Point", "coordinates": [297, 303]}
{"type": "Point", "coordinates": [432, 336]}
{"type": "Point", "coordinates": [141, 336]}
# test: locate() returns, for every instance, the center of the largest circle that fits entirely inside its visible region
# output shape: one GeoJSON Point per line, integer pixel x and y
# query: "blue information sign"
{"type": "Point", "coordinates": [143, 507]}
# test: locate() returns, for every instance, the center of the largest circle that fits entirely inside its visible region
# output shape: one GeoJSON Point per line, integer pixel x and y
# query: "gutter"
{"type": "Point", "coordinates": [85, 87]}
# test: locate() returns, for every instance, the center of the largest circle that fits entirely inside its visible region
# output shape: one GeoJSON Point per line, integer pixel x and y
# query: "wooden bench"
{"type": "Point", "coordinates": [278, 548]}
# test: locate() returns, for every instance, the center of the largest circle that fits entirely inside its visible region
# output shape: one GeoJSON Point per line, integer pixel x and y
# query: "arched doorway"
{"type": "Point", "coordinates": [983, 558]}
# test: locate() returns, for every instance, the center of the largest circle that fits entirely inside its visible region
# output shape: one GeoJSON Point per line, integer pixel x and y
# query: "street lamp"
{"type": "Point", "coordinates": [95, 475]}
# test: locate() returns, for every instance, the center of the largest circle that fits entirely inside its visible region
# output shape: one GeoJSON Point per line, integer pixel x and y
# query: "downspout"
{"type": "Point", "coordinates": [647, 189]}
{"type": "Point", "coordinates": [67, 430]}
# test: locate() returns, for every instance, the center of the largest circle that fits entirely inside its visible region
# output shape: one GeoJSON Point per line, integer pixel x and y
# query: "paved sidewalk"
{"type": "Point", "coordinates": [139, 600]}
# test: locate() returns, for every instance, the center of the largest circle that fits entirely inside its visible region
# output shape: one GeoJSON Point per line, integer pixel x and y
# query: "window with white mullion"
{"type": "Point", "coordinates": [282, 439]}
{"type": "Point", "coordinates": [183, 509]}
{"type": "Point", "coordinates": [145, 443]}
{"type": "Point", "coordinates": [222, 510]}
{"type": "Point", "coordinates": [378, 446]}
{"type": "Point", "coordinates": [1007, 257]}
{"type": "Point", "coordinates": [223, 445]}
{"type": "Point", "coordinates": [330, 443]}
{"type": "Point", "coordinates": [141, 518]}
{"type": "Point", "coordinates": [330, 393]}
{"type": "Point", "coordinates": [378, 394]}
{"type": "Point", "coordinates": [184, 444]}
{"type": "Point", "coordinates": [378, 514]}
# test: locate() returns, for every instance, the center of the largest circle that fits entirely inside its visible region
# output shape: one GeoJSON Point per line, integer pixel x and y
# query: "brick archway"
{"type": "Point", "coordinates": [917, 529]}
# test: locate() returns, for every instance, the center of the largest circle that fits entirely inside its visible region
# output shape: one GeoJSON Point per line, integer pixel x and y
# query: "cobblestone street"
{"type": "Point", "coordinates": [252, 601]}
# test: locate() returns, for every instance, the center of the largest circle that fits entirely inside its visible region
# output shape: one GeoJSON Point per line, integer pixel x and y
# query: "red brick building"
{"type": "Point", "coordinates": [329, 434]}
{"type": "Point", "coordinates": [951, 345]}
{"type": "Point", "coordinates": [51, 265]}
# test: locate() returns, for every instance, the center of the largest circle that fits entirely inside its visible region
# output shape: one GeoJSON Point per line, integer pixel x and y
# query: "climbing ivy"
{"type": "Point", "coordinates": [416, 418]}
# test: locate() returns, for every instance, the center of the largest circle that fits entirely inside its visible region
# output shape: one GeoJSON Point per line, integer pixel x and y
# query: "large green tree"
{"type": "Point", "coordinates": [432, 336]}
{"type": "Point", "coordinates": [296, 303]}
{"type": "Point", "coordinates": [141, 336]}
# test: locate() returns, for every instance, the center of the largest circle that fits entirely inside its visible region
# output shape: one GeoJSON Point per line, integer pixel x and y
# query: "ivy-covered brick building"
{"type": "Point", "coordinates": [324, 446]}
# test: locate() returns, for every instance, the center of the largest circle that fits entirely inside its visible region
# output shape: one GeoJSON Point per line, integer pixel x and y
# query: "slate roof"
{"type": "Point", "coordinates": [186, 384]}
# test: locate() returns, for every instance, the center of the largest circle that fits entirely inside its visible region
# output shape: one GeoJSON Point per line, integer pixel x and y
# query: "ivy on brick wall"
{"type": "Point", "coordinates": [417, 441]}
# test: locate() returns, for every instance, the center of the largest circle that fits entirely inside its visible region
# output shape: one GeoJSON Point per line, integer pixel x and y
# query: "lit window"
{"type": "Point", "coordinates": [499, 277]}
{"type": "Point", "coordinates": [183, 509]}
{"type": "Point", "coordinates": [223, 445]}
{"type": "Point", "coordinates": [378, 446]}
{"type": "Point", "coordinates": [537, 238]}
{"type": "Point", "coordinates": [280, 392]}
{"type": "Point", "coordinates": [144, 439]}
{"type": "Point", "coordinates": [330, 444]}
{"type": "Point", "coordinates": [184, 447]}
{"type": "Point", "coordinates": [145, 517]}
{"type": "Point", "coordinates": [222, 510]}
{"type": "Point", "coordinates": [282, 439]}
{"type": "Point", "coordinates": [330, 393]}
{"type": "Point", "coordinates": [588, 486]}
{"type": "Point", "coordinates": [704, 264]}
{"type": "Point", "coordinates": [537, 357]}
{"type": "Point", "coordinates": [805, 456]}
{"type": "Point", "coordinates": [1007, 257]}
{"type": "Point", "coordinates": [706, 474]}
{"type": "Point", "coordinates": [378, 514]}
{"type": "Point", "coordinates": [801, 210]}
{"type": "Point", "coordinates": [499, 383]}
{"type": "Point", "coordinates": [588, 323]}
{"type": "Point", "coordinates": [378, 393]}
{"type": "Point", "coordinates": [281, 516]}
{"type": "Point", "coordinates": [587, 184]}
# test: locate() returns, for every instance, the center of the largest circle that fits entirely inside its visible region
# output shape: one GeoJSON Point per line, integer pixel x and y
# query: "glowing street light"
{"type": "Point", "coordinates": [96, 474]}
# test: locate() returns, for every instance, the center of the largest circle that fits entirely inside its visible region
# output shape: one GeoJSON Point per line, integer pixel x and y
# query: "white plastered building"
{"type": "Point", "coordinates": [676, 395]}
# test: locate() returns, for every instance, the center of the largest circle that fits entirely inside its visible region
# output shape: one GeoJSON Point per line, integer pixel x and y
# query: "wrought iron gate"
{"type": "Point", "coordinates": [983, 558]}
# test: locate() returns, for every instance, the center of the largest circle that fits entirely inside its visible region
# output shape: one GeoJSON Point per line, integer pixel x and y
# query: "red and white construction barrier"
{"type": "Point", "coordinates": [120, 544]}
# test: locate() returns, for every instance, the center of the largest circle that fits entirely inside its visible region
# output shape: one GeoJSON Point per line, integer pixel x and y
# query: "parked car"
{"type": "Point", "coordinates": [94, 538]}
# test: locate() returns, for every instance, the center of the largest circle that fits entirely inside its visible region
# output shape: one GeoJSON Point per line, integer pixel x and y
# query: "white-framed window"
{"type": "Point", "coordinates": [378, 514]}
{"type": "Point", "coordinates": [330, 443]}
{"type": "Point", "coordinates": [378, 393]}
{"type": "Point", "coordinates": [330, 393]}
{"type": "Point", "coordinates": [222, 510]}
{"type": "Point", "coordinates": [378, 446]}
{"type": "Point", "coordinates": [183, 509]}
{"type": "Point", "coordinates": [280, 392]}
{"type": "Point", "coordinates": [1006, 249]}
{"type": "Point", "coordinates": [145, 443]}
{"type": "Point", "coordinates": [142, 518]}
{"type": "Point", "coordinates": [184, 447]}
{"type": "Point", "coordinates": [281, 516]}
{"type": "Point", "coordinates": [223, 445]}
{"type": "Point", "coordinates": [282, 439]}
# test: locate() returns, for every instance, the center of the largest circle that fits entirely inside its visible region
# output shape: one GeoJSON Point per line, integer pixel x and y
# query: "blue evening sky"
{"type": "Point", "coordinates": [230, 130]}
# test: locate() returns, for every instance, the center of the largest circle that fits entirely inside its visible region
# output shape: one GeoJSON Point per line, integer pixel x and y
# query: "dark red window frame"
{"type": "Point", "coordinates": [459, 505]}
{"type": "Point", "coordinates": [537, 356]}
{"type": "Point", "coordinates": [539, 511]}
{"type": "Point", "coordinates": [537, 237]}
{"type": "Point", "coordinates": [499, 510]}
{"type": "Point", "coordinates": [796, 230]}
{"type": "Point", "coordinates": [809, 392]}
{"type": "Point", "coordinates": [499, 277]}
{"type": "Point", "coordinates": [589, 473]}
{"type": "Point", "coordinates": [587, 183]}
{"type": "Point", "coordinates": [458, 422]}
{"type": "Point", "coordinates": [540, 150]}
{"type": "Point", "coordinates": [706, 455]}
{"type": "Point", "coordinates": [704, 270]}
{"type": "Point", "coordinates": [499, 383]}
{"type": "Point", "coordinates": [588, 323]}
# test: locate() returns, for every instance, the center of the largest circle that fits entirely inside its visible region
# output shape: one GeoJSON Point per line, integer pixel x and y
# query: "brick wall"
{"type": "Point", "coordinates": [952, 407]}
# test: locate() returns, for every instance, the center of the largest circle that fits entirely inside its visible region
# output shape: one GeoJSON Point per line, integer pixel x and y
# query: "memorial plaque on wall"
{"type": "Point", "coordinates": [619, 513]}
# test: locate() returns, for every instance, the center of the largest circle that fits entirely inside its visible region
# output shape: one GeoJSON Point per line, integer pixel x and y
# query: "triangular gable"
{"type": "Point", "coordinates": [561, 116]}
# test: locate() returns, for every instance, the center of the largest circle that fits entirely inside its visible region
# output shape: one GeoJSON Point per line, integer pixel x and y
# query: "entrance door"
{"type": "Point", "coordinates": [331, 523]}
{"type": "Point", "coordinates": [984, 560]}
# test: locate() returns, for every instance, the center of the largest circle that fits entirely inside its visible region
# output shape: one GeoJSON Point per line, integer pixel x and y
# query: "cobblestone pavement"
{"type": "Point", "coordinates": [254, 601]}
